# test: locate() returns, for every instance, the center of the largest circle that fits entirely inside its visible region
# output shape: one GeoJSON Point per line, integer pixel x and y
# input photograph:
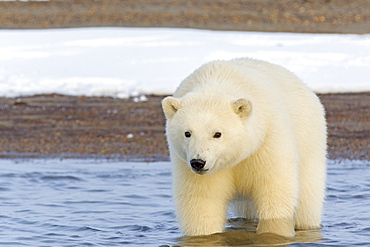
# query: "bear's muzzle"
{"type": "Point", "coordinates": [198, 165]}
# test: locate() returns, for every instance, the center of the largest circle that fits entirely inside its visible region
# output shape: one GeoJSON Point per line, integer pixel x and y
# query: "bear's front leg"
{"type": "Point", "coordinates": [276, 199]}
{"type": "Point", "coordinates": [201, 202]}
{"type": "Point", "coordinates": [275, 209]}
{"type": "Point", "coordinates": [200, 214]}
{"type": "Point", "coordinates": [282, 226]}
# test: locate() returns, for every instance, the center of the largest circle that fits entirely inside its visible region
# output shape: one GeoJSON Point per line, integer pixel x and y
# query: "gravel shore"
{"type": "Point", "coordinates": [101, 127]}
{"type": "Point", "coordinates": [313, 16]}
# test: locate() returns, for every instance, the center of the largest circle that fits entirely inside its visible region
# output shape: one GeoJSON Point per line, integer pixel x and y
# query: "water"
{"type": "Point", "coordinates": [105, 203]}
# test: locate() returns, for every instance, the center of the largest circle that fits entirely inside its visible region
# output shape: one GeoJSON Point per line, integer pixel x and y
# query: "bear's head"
{"type": "Point", "coordinates": [208, 133]}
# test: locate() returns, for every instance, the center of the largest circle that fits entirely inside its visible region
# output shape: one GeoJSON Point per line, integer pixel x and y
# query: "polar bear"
{"type": "Point", "coordinates": [250, 134]}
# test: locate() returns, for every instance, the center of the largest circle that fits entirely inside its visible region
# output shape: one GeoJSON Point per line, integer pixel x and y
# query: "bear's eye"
{"type": "Point", "coordinates": [217, 135]}
{"type": "Point", "coordinates": [187, 134]}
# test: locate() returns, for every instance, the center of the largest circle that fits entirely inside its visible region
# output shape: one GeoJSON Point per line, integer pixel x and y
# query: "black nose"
{"type": "Point", "coordinates": [197, 164]}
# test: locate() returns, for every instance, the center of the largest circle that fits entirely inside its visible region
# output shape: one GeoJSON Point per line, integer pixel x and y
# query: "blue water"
{"type": "Point", "coordinates": [106, 203]}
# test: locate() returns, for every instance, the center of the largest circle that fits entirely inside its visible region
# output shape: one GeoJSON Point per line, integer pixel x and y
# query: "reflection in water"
{"type": "Point", "coordinates": [241, 232]}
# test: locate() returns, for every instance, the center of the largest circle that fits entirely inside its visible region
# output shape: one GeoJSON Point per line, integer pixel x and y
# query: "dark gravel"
{"type": "Point", "coordinates": [315, 16]}
{"type": "Point", "coordinates": [101, 127]}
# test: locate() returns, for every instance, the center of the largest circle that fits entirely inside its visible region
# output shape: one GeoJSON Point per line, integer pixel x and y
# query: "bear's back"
{"type": "Point", "coordinates": [239, 76]}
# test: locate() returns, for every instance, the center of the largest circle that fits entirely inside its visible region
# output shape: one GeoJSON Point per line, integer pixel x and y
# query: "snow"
{"type": "Point", "coordinates": [123, 62]}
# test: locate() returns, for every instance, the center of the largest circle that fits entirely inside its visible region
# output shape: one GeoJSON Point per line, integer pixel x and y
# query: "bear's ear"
{"type": "Point", "coordinates": [170, 105]}
{"type": "Point", "coordinates": [242, 107]}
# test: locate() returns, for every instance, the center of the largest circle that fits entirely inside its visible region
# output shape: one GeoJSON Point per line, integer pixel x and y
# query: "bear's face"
{"type": "Point", "coordinates": [208, 134]}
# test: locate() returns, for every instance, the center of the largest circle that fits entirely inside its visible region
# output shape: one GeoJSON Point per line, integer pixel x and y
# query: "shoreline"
{"type": "Point", "coordinates": [306, 16]}
{"type": "Point", "coordinates": [60, 126]}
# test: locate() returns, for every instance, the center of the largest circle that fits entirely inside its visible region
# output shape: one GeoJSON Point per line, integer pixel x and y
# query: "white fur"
{"type": "Point", "coordinates": [270, 159]}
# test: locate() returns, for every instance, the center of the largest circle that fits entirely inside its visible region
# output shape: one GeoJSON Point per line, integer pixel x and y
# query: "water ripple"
{"type": "Point", "coordinates": [60, 178]}
{"type": "Point", "coordinates": [96, 203]}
